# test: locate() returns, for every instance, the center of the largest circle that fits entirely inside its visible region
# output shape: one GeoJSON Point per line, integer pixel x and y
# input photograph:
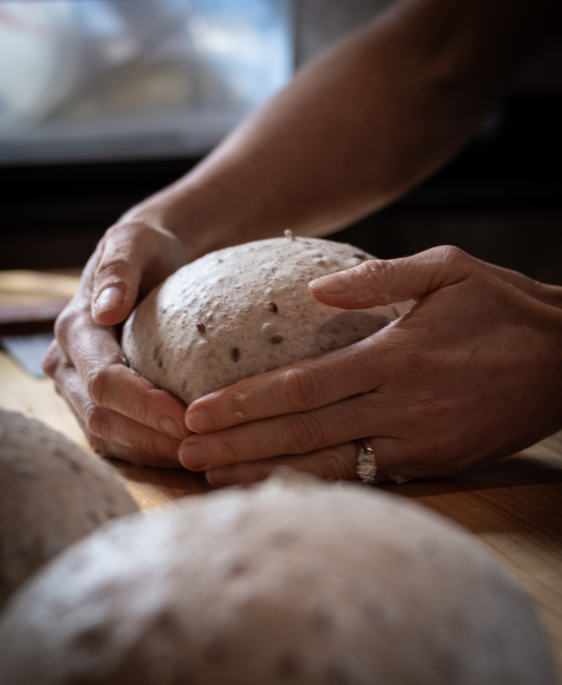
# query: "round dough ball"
{"type": "Point", "coordinates": [52, 494]}
{"type": "Point", "coordinates": [302, 583]}
{"type": "Point", "coordinates": [242, 311]}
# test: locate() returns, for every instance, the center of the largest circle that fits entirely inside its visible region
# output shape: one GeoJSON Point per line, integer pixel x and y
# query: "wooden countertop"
{"type": "Point", "coordinates": [513, 506]}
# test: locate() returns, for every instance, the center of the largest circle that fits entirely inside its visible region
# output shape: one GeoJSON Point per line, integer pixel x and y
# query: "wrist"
{"type": "Point", "coordinates": [178, 210]}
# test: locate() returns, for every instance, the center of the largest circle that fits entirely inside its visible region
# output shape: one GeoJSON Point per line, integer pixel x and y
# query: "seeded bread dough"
{"type": "Point", "coordinates": [51, 494]}
{"type": "Point", "coordinates": [287, 582]}
{"type": "Point", "coordinates": [242, 311]}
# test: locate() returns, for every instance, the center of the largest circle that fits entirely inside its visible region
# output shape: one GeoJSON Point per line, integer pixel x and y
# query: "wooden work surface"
{"type": "Point", "coordinates": [513, 506]}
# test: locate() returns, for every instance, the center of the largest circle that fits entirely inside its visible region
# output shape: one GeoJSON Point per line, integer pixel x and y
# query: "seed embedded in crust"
{"type": "Point", "coordinates": [235, 354]}
{"type": "Point", "coordinates": [201, 327]}
{"type": "Point", "coordinates": [276, 339]}
{"type": "Point", "coordinates": [272, 307]}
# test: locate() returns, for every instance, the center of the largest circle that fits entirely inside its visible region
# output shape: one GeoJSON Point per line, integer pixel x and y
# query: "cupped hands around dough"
{"type": "Point", "coordinates": [242, 311]}
{"type": "Point", "coordinates": [472, 372]}
{"type": "Point", "coordinates": [121, 414]}
{"type": "Point", "coordinates": [421, 389]}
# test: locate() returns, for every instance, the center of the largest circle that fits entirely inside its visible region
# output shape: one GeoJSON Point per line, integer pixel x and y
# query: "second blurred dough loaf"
{"type": "Point", "coordinates": [52, 493]}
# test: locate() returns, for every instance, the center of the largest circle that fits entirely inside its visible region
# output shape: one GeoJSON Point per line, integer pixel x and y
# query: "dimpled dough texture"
{"type": "Point", "coordinates": [299, 583]}
{"type": "Point", "coordinates": [51, 494]}
{"type": "Point", "coordinates": [242, 311]}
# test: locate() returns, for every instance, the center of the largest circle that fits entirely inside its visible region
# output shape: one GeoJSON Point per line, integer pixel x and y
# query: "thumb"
{"type": "Point", "coordinates": [117, 278]}
{"type": "Point", "coordinates": [383, 281]}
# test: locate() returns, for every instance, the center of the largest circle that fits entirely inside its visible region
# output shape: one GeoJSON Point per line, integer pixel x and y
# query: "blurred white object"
{"type": "Point", "coordinates": [116, 79]}
{"type": "Point", "coordinates": [38, 44]}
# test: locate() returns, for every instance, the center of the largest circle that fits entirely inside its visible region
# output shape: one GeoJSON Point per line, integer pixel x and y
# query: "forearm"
{"type": "Point", "coordinates": [358, 127]}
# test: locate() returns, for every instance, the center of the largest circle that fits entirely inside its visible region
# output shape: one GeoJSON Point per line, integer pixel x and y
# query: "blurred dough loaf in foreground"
{"type": "Point", "coordinates": [295, 582]}
{"type": "Point", "coordinates": [52, 493]}
{"type": "Point", "coordinates": [242, 311]}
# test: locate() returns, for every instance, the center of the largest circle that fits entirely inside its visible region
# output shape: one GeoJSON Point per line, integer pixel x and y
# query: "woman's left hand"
{"type": "Point", "coordinates": [472, 372]}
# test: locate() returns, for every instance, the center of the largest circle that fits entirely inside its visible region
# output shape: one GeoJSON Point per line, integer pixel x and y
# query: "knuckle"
{"type": "Point", "coordinates": [334, 467]}
{"type": "Point", "coordinates": [124, 232]}
{"type": "Point", "coordinates": [153, 445]}
{"type": "Point", "coordinates": [112, 232]}
{"type": "Point", "coordinates": [222, 450]}
{"type": "Point", "coordinates": [143, 414]}
{"type": "Point", "coordinates": [50, 361]}
{"type": "Point", "coordinates": [62, 325]}
{"type": "Point", "coordinates": [131, 234]}
{"type": "Point", "coordinates": [376, 271]}
{"type": "Point", "coordinates": [114, 268]}
{"type": "Point", "coordinates": [303, 434]}
{"type": "Point", "coordinates": [95, 420]}
{"type": "Point", "coordinates": [96, 385]}
{"type": "Point", "coordinates": [452, 254]}
{"type": "Point", "coordinates": [300, 389]}
{"type": "Point", "coordinates": [120, 243]}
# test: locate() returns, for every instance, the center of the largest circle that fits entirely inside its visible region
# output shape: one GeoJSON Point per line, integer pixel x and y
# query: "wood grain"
{"type": "Point", "coordinates": [513, 506]}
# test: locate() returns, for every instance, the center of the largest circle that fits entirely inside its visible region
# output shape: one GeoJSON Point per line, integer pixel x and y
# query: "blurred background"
{"type": "Point", "coordinates": [105, 101]}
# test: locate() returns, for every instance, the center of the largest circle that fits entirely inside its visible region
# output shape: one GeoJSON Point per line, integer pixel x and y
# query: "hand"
{"type": "Point", "coordinates": [473, 371]}
{"type": "Point", "coordinates": [121, 414]}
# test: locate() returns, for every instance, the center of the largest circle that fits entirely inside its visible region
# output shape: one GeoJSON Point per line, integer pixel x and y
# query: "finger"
{"type": "Point", "coordinates": [134, 257]}
{"type": "Point", "coordinates": [112, 450]}
{"type": "Point", "coordinates": [399, 460]}
{"type": "Point", "coordinates": [103, 426]}
{"type": "Point", "coordinates": [109, 381]}
{"type": "Point", "coordinates": [301, 433]}
{"type": "Point", "coordinates": [301, 387]}
{"type": "Point", "coordinates": [108, 448]}
{"type": "Point", "coordinates": [337, 463]}
{"type": "Point", "coordinates": [380, 282]}
{"type": "Point", "coordinates": [331, 464]}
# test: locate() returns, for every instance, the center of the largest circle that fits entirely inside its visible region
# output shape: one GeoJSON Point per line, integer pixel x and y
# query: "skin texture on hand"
{"type": "Point", "coordinates": [472, 372]}
{"type": "Point", "coordinates": [355, 129]}
{"type": "Point", "coordinates": [121, 414]}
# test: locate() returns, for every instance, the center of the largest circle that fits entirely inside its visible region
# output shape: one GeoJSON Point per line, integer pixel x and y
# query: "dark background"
{"type": "Point", "coordinates": [500, 200]}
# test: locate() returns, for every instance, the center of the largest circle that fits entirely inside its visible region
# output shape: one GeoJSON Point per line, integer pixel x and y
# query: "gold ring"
{"type": "Point", "coordinates": [366, 463]}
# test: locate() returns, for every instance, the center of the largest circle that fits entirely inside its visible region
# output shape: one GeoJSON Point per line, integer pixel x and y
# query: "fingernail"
{"type": "Point", "coordinates": [219, 478]}
{"type": "Point", "coordinates": [192, 457]}
{"type": "Point", "coordinates": [334, 284]}
{"type": "Point", "coordinates": [109, 298]}
{"type": "Point", "coordinates": [200, 420]}
{"type": "Point", "coordinates": [172, 428]}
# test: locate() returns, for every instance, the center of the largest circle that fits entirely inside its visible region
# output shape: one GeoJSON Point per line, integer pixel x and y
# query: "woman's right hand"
{"type": "Point", "coordinates": [121, 414]}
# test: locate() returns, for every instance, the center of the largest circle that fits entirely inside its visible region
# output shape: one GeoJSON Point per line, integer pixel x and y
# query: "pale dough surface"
{"type": "Point", "coordinates": [52, 493]}
{"type": "Point", "coordinates": [242, 311]}
{"type": "Point", "coordinates": [296, 582]}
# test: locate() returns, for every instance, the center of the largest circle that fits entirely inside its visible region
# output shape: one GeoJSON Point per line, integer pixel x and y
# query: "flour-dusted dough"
{"type": "Point", "coordinates": [51, 494]}
{"type": "Point", "coordinates": [297, 582]}
{"type": "Point", "coordinates": [242, 311]}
